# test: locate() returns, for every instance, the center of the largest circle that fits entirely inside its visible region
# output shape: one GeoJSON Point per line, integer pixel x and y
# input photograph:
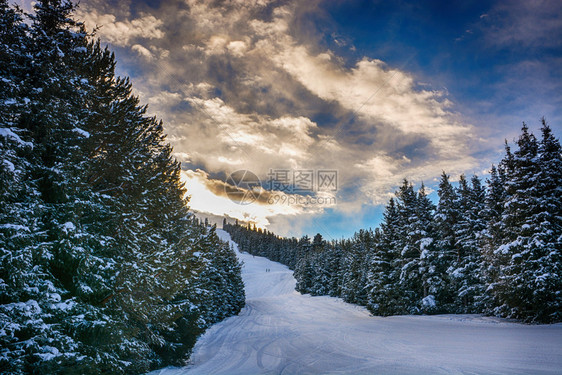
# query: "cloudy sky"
{"type": "Point", "coordinates": [376, 91]}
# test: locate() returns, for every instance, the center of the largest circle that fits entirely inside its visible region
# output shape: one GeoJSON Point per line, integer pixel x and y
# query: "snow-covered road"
{"type": "Point", "coordinates": [282, 332]}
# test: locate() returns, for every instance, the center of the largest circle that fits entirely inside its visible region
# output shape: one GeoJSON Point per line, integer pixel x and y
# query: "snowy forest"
{"type": "Point", "coordinates": [103, 268]}
{"type": "Point", "coordinates": [493, 248]}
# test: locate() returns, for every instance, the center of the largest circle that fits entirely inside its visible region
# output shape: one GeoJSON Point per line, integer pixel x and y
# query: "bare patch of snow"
{"type": "Point", "coordinates": [68, 226]}
{"type": "Point", "coordinates": [81, 132]}
{"type": "Point", "coordinates": [11, 167]}
{"type": "Point", "coordinates": [8, 133]}
{"type": "Point", "coordinates": [428, 302]}
{"type": "Point", "coordinates": [15, 227]}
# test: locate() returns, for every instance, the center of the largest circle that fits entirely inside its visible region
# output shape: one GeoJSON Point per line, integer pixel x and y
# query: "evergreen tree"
{"type": "Point", "coordinates": [547, 236]}
{"type": "Point", "coordinates": [384, 270]}
{"type": "Point", "coordinates": [414, 242]}
{"type": "Point", "coordinates": [528, 254]}
{"type": "Point", "coordinates": [433, 263]}
{"type": "Point", "coordinates": [447, 253]}
{"type": "Point", "coordinates": [491, 239]}
{"type": "Point", "coordinates": [446, 217]}
{"type": "Point", "coordinates": [100, 258]}
{"type": "Point", "coordinates": [469, 230]}
{"type": "Point", "coordinates": [354, 270]}
{"type": "Point", "coordinates": [304, 272]}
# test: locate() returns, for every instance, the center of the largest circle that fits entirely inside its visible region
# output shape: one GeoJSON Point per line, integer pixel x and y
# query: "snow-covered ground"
{"type": "Point", "coordinates": [282, 332]}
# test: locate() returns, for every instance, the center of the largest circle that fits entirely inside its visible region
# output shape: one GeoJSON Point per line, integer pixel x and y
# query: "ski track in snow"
{"type": "Point", "coordinates": [283, 332]}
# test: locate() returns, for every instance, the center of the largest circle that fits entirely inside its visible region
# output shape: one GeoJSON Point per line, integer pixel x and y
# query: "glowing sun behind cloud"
{"type": "Point", "coordinates": [209, 196]}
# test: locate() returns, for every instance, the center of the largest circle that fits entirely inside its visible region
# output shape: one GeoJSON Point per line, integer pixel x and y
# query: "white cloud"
{"type": "Point", "coordinates": [237, 48]}
{"type": "Point", "coordinates": [262, 137]}
{"type": "Point", "coordinates": [120, 33]}
{"type": "Point", "coordinates": [142, 51]}
{"type": "Point", "coordinates": [374, 91]}
{"type": "Point", "coordinates": [216, 45]}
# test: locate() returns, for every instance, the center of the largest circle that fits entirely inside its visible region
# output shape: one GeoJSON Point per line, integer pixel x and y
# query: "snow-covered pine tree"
{"type": "Point", "coordinates": [50, 121]}
{"type": "Point", "coordinates": [445, 245]}
{"type": "Point", "coordinates": [354, 267]}
{"type": "Point", "coordinates": [446, 217]}
{"type": "Point", "coordinates": [22, 282]}
{"type": "Point", "coordinates": [410, 282]}
{"type": "Point", "coordinates": [547, 237]}
{"type": "Point", "coordinates": [384, 268]}
{"type": "Point", "coordinates": [334, 263]}
{"type": "Point", "coordinates": [491, 236]}
{"type": "Point", "coordinates": [432, 263]}
{"type": "Point", "coordinates": [475, 284]}
{"type": "Point", "coordinates": [304, 270]}
{"type": "Point", "coordinates": [527, 257]}
{"type": "Point", "coordinates": [98, 248]}
{"type": "Point", "coordinates": [218, 292]}
{"type": "Point", "coordinates": [319, 259]}
{"type": "Point", "coordinates": [467, 283]}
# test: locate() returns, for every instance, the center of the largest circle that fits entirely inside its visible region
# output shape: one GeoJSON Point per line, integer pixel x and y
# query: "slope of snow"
{"type": "Point", "coordinates": [282, 332]}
